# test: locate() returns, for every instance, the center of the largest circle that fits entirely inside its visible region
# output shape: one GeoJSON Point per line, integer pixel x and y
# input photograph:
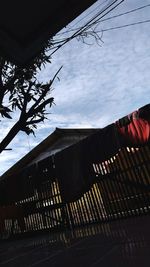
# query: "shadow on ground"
{"type": "Point", "coordinates": [124, 243]}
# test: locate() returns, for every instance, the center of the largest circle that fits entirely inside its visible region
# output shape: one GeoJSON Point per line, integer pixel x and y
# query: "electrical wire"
{"type": "Point", "coordinates": [126, 25]}
{"type": "Point", "coordinates": [112, 6]}
{"type": "Point", "coordinates": [107, 10]}
{"type": "Point", "coordinates": [115, 16]}
{"type": "Point", "coordinates": [126, 13]}
{"type": "Point", "coordinates": [87, 15]}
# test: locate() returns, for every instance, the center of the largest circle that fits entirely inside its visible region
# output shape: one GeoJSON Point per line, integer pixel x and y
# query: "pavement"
{"type": "Point", "coordinates": [123, 243]}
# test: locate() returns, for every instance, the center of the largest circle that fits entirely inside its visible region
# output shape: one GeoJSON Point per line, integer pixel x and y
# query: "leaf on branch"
{"type": "Point", "coordinates": [38, 85]}
{"type": "Point", "coordinates": [28, 130]}
{"type": "Point", "coordinates": [15, 104]}
{"type": "Point", "coordinates": [6, 109]}
{"type": "Point", "coordinates": [45, 86]}
{"type": "Point", "coordinates": [7, 115]}
{"type": "Point", "coordinates": [34, 126]}
{"type": "Point", "coordinates": [5, 112]}
{"type": "Point", "coordinates": [11, 96]}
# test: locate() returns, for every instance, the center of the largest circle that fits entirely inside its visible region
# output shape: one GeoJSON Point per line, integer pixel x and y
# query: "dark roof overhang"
{"type": "Point", "coordinates": [54, 143]}
{"type": "Point", "coordinates": [26, 25]}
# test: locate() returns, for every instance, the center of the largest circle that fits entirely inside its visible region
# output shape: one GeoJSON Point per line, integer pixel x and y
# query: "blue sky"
{"type": "Point", "coordinates": [98, 84]}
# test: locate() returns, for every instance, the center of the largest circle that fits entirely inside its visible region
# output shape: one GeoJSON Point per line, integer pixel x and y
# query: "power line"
{"type": "Point", "coordinates": [111, 6]}
{"type": "Point", "coordinates": [91, 12]}
{"type": "Point", "coordinates": [112, 17]}
{"type": "Point", "coordinates": [101, 12]}
{"type": "Point", "coordinates": [121, 14]}
{"type": "Point", "coordinates": [127, 12]}
{"type": "Point", "coordinates": [125, 25]}
{"type": "Point", "coordinates": [92, 22]}
{"type": "Point", "coordinates": [107, 10]}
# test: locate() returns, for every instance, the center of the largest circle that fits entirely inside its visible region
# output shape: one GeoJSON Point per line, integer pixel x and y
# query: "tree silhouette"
{"type": "Point", "coordinates": [21, 92]}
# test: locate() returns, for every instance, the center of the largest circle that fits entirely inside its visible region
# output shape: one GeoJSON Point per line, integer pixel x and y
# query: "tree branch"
{"type": "Point", "coordinates": [34, 121]}
{"type": "Point", "coordinates": [45, 91]}
{"type": "Point", "coordinates": [35, 111]}
{"type": "Point", "coordinates": [9, 137]}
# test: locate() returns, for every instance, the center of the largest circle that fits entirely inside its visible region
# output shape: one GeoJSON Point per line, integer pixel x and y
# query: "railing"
{"type": "Point", "coordinates": [121, 189]}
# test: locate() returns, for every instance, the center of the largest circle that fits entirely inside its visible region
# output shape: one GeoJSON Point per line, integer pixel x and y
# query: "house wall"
{"type": "Point", "coordinates": [35, 203]}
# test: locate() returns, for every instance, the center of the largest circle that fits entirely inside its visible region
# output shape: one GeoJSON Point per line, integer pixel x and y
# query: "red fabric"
{"type": "Point", "coordinates": [137, 131]}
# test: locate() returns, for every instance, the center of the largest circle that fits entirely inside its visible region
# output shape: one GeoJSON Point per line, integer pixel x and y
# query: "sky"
{"type": "Point", "coordinates": [98, 83]}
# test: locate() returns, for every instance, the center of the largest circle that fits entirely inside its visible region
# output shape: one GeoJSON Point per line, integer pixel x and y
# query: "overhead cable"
{"type": "Point", "coordinates": [103, 13]}
{"type": "Point", "coordinates": [125, 25]}
{"type": "Point", "coordinates": [112, 17]}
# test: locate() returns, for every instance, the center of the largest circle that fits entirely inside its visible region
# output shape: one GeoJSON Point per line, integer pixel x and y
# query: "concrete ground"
{"type": "Point", "coordinates": [124, 243]}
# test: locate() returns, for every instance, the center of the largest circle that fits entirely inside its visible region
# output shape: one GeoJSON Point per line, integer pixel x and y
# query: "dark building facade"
{"type": "Point", "coordinates": [80, 176]}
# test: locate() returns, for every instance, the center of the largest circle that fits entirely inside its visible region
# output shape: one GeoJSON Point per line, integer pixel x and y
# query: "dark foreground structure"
{"type": "Point", "coordinates": [123, 243]}
{"type": "Point", "coordinates": [22, 39]}
{"type": "Point", "coordinates": [82, 194]}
